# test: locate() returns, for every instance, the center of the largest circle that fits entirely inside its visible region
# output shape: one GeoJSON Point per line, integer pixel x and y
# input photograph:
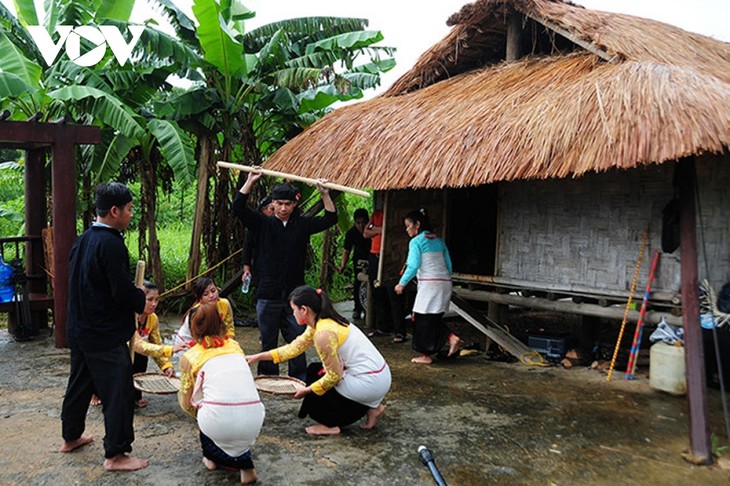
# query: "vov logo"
{"type": "Point", "coordinates": [71, 36]}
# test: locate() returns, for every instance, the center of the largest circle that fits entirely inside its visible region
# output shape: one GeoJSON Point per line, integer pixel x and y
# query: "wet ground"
{"type": "Point", "coordinates": [486, 422]}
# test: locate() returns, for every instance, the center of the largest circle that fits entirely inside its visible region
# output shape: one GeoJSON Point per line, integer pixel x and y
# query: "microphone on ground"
{"type": "Point", "coordinates": [427, 459]}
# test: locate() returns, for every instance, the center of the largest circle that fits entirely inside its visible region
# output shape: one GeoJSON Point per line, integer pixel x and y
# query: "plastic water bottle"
{"type": "Point", "coordinates": [246, 283]}
{"type": "Point", "coordinates": [7, 289]}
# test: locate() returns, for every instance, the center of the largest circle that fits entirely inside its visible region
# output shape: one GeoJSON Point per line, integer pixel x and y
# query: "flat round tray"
{"type": "Point", "coordinates": [278, 385]}
{"type": "Point", "coordinates": [156, 383]}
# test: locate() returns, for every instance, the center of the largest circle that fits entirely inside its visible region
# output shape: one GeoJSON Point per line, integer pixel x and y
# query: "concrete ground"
{"type": "Point", "coordinates": [486, 422]}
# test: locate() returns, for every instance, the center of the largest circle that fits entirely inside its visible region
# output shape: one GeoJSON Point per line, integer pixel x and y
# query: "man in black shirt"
{"type": "Point", "coordinates": [102, 301]}
{"type": "Point", "coordinates": [281, 250]}
{"type": "Point", "coordinates": [361, 245]}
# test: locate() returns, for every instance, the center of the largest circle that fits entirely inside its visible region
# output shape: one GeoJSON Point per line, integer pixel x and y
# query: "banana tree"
{"type": "Point", "coordinates": [262, 88]}
{"type": "Point", "coordinates": [117, 98]}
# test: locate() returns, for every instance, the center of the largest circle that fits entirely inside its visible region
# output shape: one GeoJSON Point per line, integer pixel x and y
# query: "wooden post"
{"type": "Point", "coordinates": [700, 446]}
{"type": "Point", "coordinates": [514, 37]}
{"type": "Point", "coordinates": [64, 226]}
{"type": "Point", "coordinates": [35, 222]}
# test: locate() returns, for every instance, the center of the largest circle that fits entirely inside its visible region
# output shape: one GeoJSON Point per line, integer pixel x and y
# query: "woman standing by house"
{"type": "Point", "coordinates": [353, 377]}
{"type": "Point", "coordinates": [429, 260]}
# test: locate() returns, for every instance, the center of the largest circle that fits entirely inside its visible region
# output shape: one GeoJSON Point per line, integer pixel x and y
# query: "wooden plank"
{"type": "Point", "coordinates": [477, 319]}
{"type": "Point", "coordinates": [612, 312]}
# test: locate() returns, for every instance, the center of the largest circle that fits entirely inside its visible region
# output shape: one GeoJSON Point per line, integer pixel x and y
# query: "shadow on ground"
{"type": "Point", "coordinates": [486, 422]}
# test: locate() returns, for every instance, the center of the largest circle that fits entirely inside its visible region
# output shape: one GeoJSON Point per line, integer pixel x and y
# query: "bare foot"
{"type": "Point", "coordinates": [423, 359]}
{"type": "Point", "coordinates": [320, 429]}
{"type": "Point", "coordinates": [248, 476]}
{"type": "Point", "coordinates": [95, 401]}
{"type": "Point", "coordinates": [454, 343]}
{"type": "Point", "coordinates": [141, 403]}
{"type": "Point", "coordinates": [210, 465]}
{"type": "Point", "coordinates": [374, 415]}
{"type": "Point", "coordinates": [72, 445]}
{"type": "Point", "coordinates": [123, 462]}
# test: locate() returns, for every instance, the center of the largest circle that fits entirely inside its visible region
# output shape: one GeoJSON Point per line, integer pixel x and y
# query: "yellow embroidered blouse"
{"type": "Point", "coordinates": [151, 343]}
{"type": "Point", "coordinates": [190, 362]}
{"type": "Point", "coordinates": [326, 336]}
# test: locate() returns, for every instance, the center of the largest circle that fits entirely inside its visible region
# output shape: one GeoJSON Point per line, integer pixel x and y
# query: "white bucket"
{"type": "Point", "coordinates": [666, 369]}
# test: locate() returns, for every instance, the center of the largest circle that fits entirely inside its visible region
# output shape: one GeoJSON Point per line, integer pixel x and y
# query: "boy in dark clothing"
{"type": "Point", "coordinates": [101, 305]}
{"type": "Point", "coordinates": [281, 249]}
{"type": "Point", "coordinates": [354, 240]}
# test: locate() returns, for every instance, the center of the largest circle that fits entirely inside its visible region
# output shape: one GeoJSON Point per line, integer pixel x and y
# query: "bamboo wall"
{"type": "Point", "coordinates": [582, 235]}
{"type": "Point", "coordinates": [585, 234]}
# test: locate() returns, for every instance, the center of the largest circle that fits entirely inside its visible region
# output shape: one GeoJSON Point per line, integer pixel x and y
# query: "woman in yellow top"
{"type": "Point", "coordinates": [353, 377]}
{"type": "Point", "coordinates": [148, 330]}
{"type": "Point", "coordinates": [217, 388]}
{"type": "Point", "coordinates": [206, 291]}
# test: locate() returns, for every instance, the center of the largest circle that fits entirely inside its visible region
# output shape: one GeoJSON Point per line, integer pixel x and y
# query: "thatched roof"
{"type": "Point", "coordinates": [595, 91]}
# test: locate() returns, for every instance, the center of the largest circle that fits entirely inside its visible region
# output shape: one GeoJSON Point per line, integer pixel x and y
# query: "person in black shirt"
{"type": "Point", "coordinates": [266, 207]}
{"type": "Point", "coordinates": [281, 250]}
{"type": "Point", "coordinates": [361, 245]}
{"type": "Point", "coordinates": [102, 300]}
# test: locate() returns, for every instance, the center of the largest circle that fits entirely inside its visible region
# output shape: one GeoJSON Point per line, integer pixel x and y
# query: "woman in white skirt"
{"type": "Point", "coordinates": [353, 377]}
{"type": "Point", "coordinates": [429, 261]}
{"type": "Point", "coordinates": [218, 389]}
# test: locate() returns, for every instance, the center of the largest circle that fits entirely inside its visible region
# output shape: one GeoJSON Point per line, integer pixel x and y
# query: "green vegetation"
{"type": "Point", "coordinates": [717, 449]}
{"type": "Point", "coordinates": [250, 91]}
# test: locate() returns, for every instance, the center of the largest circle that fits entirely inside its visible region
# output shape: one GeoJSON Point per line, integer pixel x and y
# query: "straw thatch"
{"type": "Point", "coordinates": [610, 91]}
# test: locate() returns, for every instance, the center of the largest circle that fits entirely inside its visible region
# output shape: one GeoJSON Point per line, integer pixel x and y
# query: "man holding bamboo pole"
{"type": "Point", "coordinates": [282, 241]}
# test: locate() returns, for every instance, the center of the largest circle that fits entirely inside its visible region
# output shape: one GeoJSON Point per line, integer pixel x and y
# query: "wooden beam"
{"type": "Point", "coordinates": [559, 30]}
{"type": "Point", "coordinates": [699, 426]}
{"type": "Point", "coordinates": [16, 132]}
{"type": "Point", "coordinates": [477, 319]}
{"type": "Point", "coordinates": [567, 306]}
{"type": "Point", "coordinates": [514, 37]}
{"type": "Point", "coordinates": [573, 290]}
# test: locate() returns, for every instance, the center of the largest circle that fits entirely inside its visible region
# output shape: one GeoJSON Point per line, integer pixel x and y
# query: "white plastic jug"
{"type": "Point", "coordinates": [666, 369]}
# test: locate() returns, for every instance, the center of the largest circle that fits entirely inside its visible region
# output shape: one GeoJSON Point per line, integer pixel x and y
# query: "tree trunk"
{"type": "Point", "coordinates": [205, 149]}
{"type": "Point", "coordinates": [149, 252]}
{"type": "Point", "coordinates": [329, 255]}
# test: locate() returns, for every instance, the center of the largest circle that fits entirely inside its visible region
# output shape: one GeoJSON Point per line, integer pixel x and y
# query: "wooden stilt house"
{"type": "Point", "coordinates": [548, 139]}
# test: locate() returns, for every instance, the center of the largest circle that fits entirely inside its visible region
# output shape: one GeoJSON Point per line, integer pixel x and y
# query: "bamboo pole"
{"type": "Point", "coordinates": [644, 242]}
{"type": "Point", "coordinates": [634, 355]}
{"type": "Point", "coordinates": [284, 175]}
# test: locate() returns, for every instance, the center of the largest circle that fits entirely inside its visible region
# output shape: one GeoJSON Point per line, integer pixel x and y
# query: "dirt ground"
{"type": "Point", "coordinates": [487, 422]}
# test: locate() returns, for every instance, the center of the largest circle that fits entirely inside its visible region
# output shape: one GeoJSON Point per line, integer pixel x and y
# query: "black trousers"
{"type": "Point", "coordinates": [219, 456]}
{"type": "Point", "coordinates": [388, 306]}
{"type": "Point", "coordinates": [356, 288]}
{"type": "Point", "coordinates": [330, 409]}
{"type": "Point", "coordinates": [108, 373]}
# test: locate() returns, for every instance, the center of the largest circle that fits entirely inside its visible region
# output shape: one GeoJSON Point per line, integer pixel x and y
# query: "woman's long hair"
{"type": "Point", "coordinates": [206, 322]}
{"type": "Point", "coordinates": [420, 216]}
{"type": "Point", "coordinates": [318, 301]}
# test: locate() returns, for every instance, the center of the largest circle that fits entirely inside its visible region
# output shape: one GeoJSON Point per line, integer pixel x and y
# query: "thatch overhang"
{"type": "Point", "coordinates": [596, 91]}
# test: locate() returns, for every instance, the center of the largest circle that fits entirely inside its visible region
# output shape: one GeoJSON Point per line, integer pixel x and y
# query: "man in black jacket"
{"type": "Point", "coordinates": [101, 305]}
{"type": "Point", "coordinates": [281, 250]}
